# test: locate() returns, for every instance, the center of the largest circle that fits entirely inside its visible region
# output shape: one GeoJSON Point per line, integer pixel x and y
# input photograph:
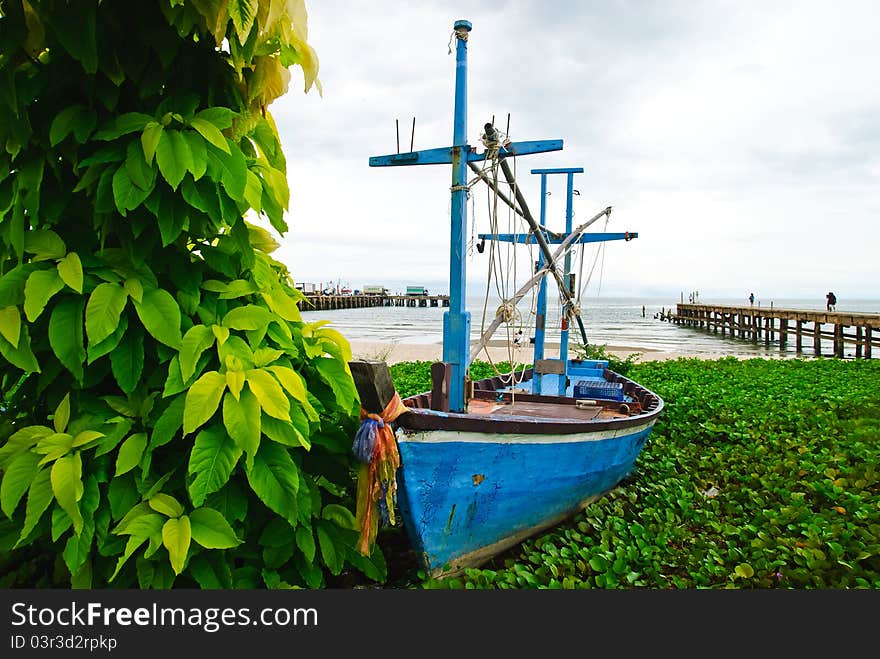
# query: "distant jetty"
{"type": "Point", "coordinates": [321, 302]}
{"type": "Point", "coordinates": [777, 325]}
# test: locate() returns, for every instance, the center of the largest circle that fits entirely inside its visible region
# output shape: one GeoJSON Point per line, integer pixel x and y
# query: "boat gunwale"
{"type": "Point", "coordinates": [420, 417]}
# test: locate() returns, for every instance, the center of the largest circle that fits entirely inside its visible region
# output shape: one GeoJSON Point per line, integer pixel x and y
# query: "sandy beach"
{"type": "Point", "coordinates": [393, 352]}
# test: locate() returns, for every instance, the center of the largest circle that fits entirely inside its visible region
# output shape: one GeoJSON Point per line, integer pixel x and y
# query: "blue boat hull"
{"type": "Point", "coordinates": [465, 496]}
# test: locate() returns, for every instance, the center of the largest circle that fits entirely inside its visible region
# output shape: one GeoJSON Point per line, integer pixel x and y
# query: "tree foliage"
{"type": "Point", "coordinates": [169, 419]}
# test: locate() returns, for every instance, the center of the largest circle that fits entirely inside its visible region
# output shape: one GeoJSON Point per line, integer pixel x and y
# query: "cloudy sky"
{"type": "Point", "coordinates": [741, 140]}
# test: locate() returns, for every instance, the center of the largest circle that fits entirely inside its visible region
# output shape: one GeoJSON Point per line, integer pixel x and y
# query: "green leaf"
{"type": "Point", "coordinates": [20, 441]}
{"type": "Point", "coordinates": [61, 417]}
{"type": "Point", "coordinates": [219, 116]}
{"type": "Point", "coordinates": [62, 124]}
{"type": "Point", "coordinates": [10, 325]}
{"type": "Point", "coordinates": [134, 289]}
{"type": "Point", "coordinates": [126, 194]}
{"type": "Point", "coordinates": [242, 420]}
{"type": "Point", "coordinates": [253, 191]}
{"type": "Point", "coordinates": [45, 245]}
{"type": "Point", "coordinates": [211, 530]}
{"type": "Point", "coordinates": [243, 13]}
{"type": "Point", "coordinates": [173, 157]}
{"type": "Point", "coordinates": [212, 459]}
{"type": "Point", "coordinates": [291, 381]}
{"type": "Point", "coordinates": [66, 335]}
{"type": "Point", "coordinates": [176, 536]}
{"type": "Point", "coordinates": [168, 423]}
{"type": "Point", "coordinates": [336, 374]}
{"type": "Point", "coordinates": [39, 497]}
{"type": "Point", "coordinates": [150, 140]}
{"type": "Point", "coordinates": [86, 437]}
{"type": "Point", "coordinates": [198, 153]}
{"type": "Point", "coordinates": [12, 285]}
{"type": "Point", "coordinates": [141, 173]}
{"type": "Point", "coordinates": [105, 347]}
{"type": "Point", "coordinates": [202, 400]}
{"type": "Point", "coordinates": [103, 310]}
{"type": "Point", "coordinates": [39, 289]}
{"type": "Point", "coordinates": [328, 551]}
{"type": "Point", "coordinates": [160, 315]}
{"type": "Point", "coordinates": [274, 478]}
{"type": "Point", "coordinates": [305, 540]}
{"type": "Point", "coordinates": [21, 356]}
{"type": "Point", "coordinates": [197, 339]}
{"type": "Point", "coordinates": [130, 453]}
{"type": "Point", "coordinates": [139, 529]}
{"type": "Point", "coordinates": [71, 272]}
{"type": "Point", "coordinates": [17, 478]}
{"type": "Point", "coordinates": [211, 133]}
{"type": "Point", "coordinates": [744, 570]}
{"type": "Point", "coordinates": [166, 504]}
{"type": "Point", "coordinates": [127, 359]}
{"type": "Point", "coordinates": [68, 486]}
{"type": "Point", "coordinates": [272, 398]}
{"type": "Point", "coordinates": [229, 168]}
{"type": "Point", "coordinates": [247, 317]}
{"type": "Point", "coordinates": [130, 122]}
{"type": "Point", "coordinates": [341, 515]}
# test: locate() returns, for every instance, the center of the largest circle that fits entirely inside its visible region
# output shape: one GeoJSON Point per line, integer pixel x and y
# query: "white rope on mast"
{"type": "Point", "coordinates": [549, 266]}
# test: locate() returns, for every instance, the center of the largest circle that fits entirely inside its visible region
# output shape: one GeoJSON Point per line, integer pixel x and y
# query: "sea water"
{"type": "Point", "coordinates": [632, 323]}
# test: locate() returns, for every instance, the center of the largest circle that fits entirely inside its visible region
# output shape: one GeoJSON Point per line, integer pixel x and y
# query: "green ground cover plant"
{"type": "Point", "coordinates": [759, 474]}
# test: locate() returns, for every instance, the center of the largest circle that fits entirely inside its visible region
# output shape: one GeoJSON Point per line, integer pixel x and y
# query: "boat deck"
{"type": "Point", "coordinates": [543, 410]}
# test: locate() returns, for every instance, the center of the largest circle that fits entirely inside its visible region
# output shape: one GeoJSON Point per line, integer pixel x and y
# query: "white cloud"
{"type": "Point", "coordinates": [739, 139]}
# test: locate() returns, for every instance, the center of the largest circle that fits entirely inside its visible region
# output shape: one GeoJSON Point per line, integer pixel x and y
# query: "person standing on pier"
{"type": "Point", "coordinates": [831, 301]}
{"type": "Point", "coordinates": [752, 299]}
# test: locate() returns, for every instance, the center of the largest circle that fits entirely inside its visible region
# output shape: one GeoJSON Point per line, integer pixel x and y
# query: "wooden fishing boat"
{"type": "Point", "coordinates": [485, 464]}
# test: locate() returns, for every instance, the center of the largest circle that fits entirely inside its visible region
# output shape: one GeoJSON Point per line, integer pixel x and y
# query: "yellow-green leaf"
{"type": "Point", "coordinates": [235, 382]}
{"type": "Point", "coordinates": [166, 504]}
{"type": "Point", "coordinates": [744, 570]}
{"type": "Point", "coordinates": [10, 324]}
{"type": "Point", "coordinates": [291, 381]}
{"type": "Point", "coordinates": [211, 133]}
{"type": "Point", "coordinates": [130, 453]}
{"type": "Point", "coordinates": [176, 536]}
{"type": "Point", "coordinates": [135, 289]}
{"type": "Point", "coordinates": [197, 339]}
{"type": "Point", "coordinates": [62, 414]}
{"type": "Point", "coordinates": [267, 390]}
{"type": "Point", "coordinates": [67, 486]}
{"type": "Point", "coordinates": [45, 245]}
{"type": "Point", "coordinates": [103, 310]}
{"type": "Point", "coordinates": [241, 417]}
{"type": "Point", "coordinates": [283, 305]}
{"type": "Point", "coordinates": [160, 315]}
{"type": "Point", "coordinates": [150, 139]}
{"type": "Point", "coordinates": [85, 437]}
{"type": "Point", "coordinates": [71, 272]}
{"type": "Point", "coordinates": [202, 400]}
{"type": "Point", "coordinates": [211, 530]}
{"type": "Point", "coordinates": [40, 287]}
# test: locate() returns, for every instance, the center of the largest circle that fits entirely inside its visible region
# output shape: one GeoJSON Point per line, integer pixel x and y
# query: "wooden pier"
{"type": "Point", "coordinates": [320, 302]}
{"type": "Point", "coordinates": [778, 325]}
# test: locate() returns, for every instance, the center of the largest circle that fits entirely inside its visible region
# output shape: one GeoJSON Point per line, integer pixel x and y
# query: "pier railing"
{"type": "Point", "coordinates": [321, 302]}
{"type": "Point", "coordinates": [777, 325]}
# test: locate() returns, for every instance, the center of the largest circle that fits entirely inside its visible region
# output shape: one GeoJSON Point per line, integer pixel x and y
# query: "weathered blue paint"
{"type": "Point", "coordinates": [459, 497]}
{"type": "Point", "coordinates": [541, 310]}
{"type": "Point", "coordinates": [457, 321]}
{"type": "Point", "coordinates": [444, 155]}
{"type": "Point", "coordinates": [566, 278]}
{"type": "Point", "coordinates": [556, 239]}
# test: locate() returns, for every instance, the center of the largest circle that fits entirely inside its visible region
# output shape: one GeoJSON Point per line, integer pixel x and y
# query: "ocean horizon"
{"type": "Point", "coordinates": [629, 322]}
